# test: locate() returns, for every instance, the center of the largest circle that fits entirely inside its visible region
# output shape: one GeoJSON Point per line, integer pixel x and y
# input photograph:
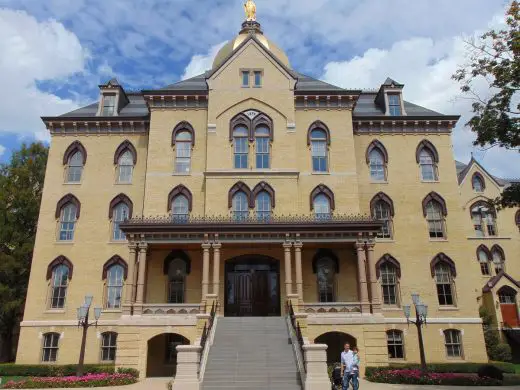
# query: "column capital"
{"type": "Point", "coordinates": [206, 246]}
{"type": "Point", "coordinates": [217, 245]}
{"type": "Point", "coordinates": [287, 245]}
{"type": "Point", "coordinates": [132, 246]}
{"type": "Point", "coordinates": [298, 245]}
{"type": "Point", "coordinates": [360, 245]}
{"type": "Point", "coordinates": [143, 246]}
{"type": "Point", "coordinates": [371, 244]}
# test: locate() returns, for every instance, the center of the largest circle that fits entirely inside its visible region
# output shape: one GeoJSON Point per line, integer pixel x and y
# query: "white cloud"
{"type": "Point", "coordinates": [33, 52]}
{"type": "Point", "coordinates": [425, 66]}
{"type": "Point", "coordinates": [201, 62]}
{"type": "Point", "coordinates": [2, 150]}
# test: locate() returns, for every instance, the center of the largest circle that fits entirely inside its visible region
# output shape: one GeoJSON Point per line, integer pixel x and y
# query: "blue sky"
{"type": "Point", "coordinates": [56, 52]}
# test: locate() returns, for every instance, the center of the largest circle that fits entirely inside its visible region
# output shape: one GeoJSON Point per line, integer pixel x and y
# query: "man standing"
{"type": "Point", "coordinates": [347, 360]}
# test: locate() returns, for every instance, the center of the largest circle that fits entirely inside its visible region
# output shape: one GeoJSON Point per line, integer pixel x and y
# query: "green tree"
{"type": "Point", "coordinates": [495, 61]}
{"type": "Point", "coordinates": [21, 185]}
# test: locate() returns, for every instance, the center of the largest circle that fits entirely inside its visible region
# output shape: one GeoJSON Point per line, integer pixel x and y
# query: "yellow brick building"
{"type": "Point", "coordinates": [251, 186]}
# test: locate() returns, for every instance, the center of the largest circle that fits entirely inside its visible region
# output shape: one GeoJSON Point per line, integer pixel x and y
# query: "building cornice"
{"type": "Point", "coordinates": [408, 125]}
{"type": "Point", "coordinates": [97, 125]}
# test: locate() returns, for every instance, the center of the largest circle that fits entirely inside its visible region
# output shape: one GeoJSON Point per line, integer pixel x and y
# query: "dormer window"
{"type": "Point", "coordinates": [394, 104]}
{"type": "Point", "coordinates": [109, 105]}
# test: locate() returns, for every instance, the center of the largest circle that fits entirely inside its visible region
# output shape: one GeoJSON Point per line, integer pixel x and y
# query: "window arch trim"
{"type": "Point", "coordinates": [180, 190]}
{"type": "Point", "coordinates": [264, 187]}
{"type": "Point", "coordinates": [69, 198]}
{"type": "Point", "coordinates": [443, 258]}
{"type": "Point", "coordinates": [115, 260]}
{"type": "Point", "coordinates": [241, 187]}
{"type": "Point", "coordinates": [322, 189]}
{"type": "Point", "coordinates": [60, 260]}
{"type": "Point", "coordinates": [239, 120]}
{"type": "Point", "coordinates": [381, 196]}
{"type": "Point", "coordinates": [121, 149]}
{"type": "Point", "coordinates": [435, 197]}
{"type": "Point", "coordinates": [425, 144]}
{"type": "Point", "coordinates": [74, 147]}
{"type": "Point", "coordinates": [183, 126]}
{"type": "Point", "coordinates": [483, 203]}
{"type": "Point", "coordinates": [261, 120]}
{"type": "Point", "coordinates": [517, 218]}
{"type": "Point", "coordinates": [121, 198]}
{"type": "Point", "coordinates": [324, 253]}
{"type": "Point", "coordinates": [484, 249]}
{"type": "Point", "coordinates": [507, 290]}
{"type": "Point", "coordinates": [498, 248]}
{"type": "Point", "coordinates": [177, 254]}
{"type": "Point", "coordinates": [481, 178]}
{"type": "Point", "coordinates": [321, 126]}
{"type": "Point", "coordinates": [377, 145]}
{"type": "Point", "coordinates": [388, 258]}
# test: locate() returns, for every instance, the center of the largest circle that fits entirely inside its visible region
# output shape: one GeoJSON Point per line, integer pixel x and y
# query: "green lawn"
{"type": "Point", "coordinates": [6, 379]}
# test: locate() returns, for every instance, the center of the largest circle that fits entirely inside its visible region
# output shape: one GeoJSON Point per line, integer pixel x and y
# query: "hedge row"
{"type": "Point", "coordinates": [416, 377]}
{"type": "Point", "coordinates": [460, 368]}
{"type": "Point", "coordinates": [49, 370]}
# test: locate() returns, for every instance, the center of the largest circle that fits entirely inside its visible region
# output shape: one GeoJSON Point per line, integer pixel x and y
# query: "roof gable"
{"type": "Point", "coordinates": [491, 284]}
{"type": "Point", "coordinates": [464, 173]}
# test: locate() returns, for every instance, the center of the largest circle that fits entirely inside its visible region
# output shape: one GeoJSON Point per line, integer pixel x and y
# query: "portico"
{"type": "Point", "coordinates": [251, 267]}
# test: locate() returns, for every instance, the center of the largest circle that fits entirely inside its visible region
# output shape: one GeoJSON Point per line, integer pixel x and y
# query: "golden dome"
{"type": "Point", "coordinates": [247, 28]}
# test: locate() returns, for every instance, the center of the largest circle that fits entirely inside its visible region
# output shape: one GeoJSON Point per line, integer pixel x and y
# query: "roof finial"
{"type": "Point", "coordinates": [250, 8]}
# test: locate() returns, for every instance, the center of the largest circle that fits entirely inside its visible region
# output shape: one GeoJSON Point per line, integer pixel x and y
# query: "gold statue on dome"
{"type": "Point", "coordinates": [250, 8]}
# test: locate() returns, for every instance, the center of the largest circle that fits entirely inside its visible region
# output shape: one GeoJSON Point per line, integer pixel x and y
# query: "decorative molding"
{"type": "Point", "coordinates": [318, 125]}
{"type": "Point", "coordinates": [180, 190]}
{"type": "Point", "coordinates": [183, 126]}
{"type": "Point", "coordinates": [69, 198]}
{"type": "Point", "coordinates": [121, 198]}
{"type": "Point", "coordinates": [60, 260]}
{"type": "Point", "coordinates": [402, 126]}
{"type": "Point", "coordinates": [382, 197]}
{"type": "Point", "coordinates": [240, 187]}
{"type": "Point", "coordinates": [322, 189]}
{"type": "Point", "coordinates": [375, 144]}
{"type": "Point", "coordinates": [478, 176]}
{"type": "Point", "coordinates": [251, 114]}
{"type": "Point", "coordinates": [95, 126]}
{"type": "Point", "coordinates": [125, 146]}
{"type": "Point", "coordinates": [212, 128]}
{"type": "Point", "coordinates": [425, 144]}
{"type": "Point", "coordinates": [74, 147]}
{"type": "Point", "coordinates": [433, 196]}
{"type": "Point", "coordinates": [388, 258]}
{"type": "Point", "coordinates": [264, 187]}
{"type": "Point", "coordinates": [442, 258]}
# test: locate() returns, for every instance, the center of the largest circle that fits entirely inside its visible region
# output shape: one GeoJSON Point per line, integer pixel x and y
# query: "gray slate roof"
{"type": "Point", "coordinates": [366, 106]}
{"type": "Point", "coordinates": [136, 108]}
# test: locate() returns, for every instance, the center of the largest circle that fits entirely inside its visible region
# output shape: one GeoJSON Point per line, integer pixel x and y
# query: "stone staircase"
{"type": "Point", "coordinates": [251, 353]}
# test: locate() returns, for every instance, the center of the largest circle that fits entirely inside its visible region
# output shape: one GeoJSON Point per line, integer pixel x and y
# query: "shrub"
{"type": "Point", "coordinates": [89, 380]}
{"type": "Point", "coordinates": [130, 371]}
{"type": "Point", "coordinates": [490, 371]}
{"type": "Point", "coordinates": [416, 377]}
{"type": "Point", "coordinates": [461, 368]}
{"type": "Point", "coordinates": [501, 352]}
{"type": "Point", "coordinates": [42, 370]}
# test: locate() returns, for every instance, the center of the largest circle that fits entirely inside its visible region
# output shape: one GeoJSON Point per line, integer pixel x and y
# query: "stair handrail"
{"type": "Point", "coordinates": [206, 341]}
{"type": "Point", "coordinates": [297, 342]}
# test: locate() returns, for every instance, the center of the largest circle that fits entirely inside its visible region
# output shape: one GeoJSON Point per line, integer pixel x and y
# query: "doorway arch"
{"type": "Point", "coordinates": [335, 342]}
{"type": "Point", "coordinates": [161, 360]}
{"type": "Point", "coordinates": [252, 286]}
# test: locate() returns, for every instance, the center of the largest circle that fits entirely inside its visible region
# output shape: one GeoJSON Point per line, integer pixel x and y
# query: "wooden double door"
{"type": "Point", "coordinates": [252, 287]}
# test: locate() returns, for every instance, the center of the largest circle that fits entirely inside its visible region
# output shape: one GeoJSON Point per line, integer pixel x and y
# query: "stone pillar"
{"type": "Point", "coordinates": [362, 277]}
{"type": "Point", "coordinates": [316, 364]}
{"type": "Point", "coordinates": [141, 279]}
{"type": "Point", "coordinates": [288, 279]}
{"type": "Point", "coordinates": [188, 359]}
{"type": "Point", "coordinates": [205, 269]}
{"type": "Point", "coordinates": [374, 287]}
{"type": "Point", "coordinates": [130, 284]}
{"type": "Point", "coordinates": [298, 265]}
{"type": "Point", "coordinates": [216, 268]}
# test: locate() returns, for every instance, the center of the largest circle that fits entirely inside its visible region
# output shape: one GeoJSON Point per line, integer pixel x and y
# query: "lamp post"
{"type": "Point", "coordinates": [83, 322]}
{"type": "Point", "coordinates": [421, 313]}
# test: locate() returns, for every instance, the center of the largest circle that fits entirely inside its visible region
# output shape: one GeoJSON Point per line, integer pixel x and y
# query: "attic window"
{"type": "Point", "coordinates": [109, 105]}
{"type": "Point", "coordinates": [245, 78]}
{"type": "Point", "coordinates": [394, 104]}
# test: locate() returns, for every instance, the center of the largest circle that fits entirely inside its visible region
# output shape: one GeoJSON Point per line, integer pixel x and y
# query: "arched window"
{"type": "Point", "coordinates": [394, 340]}
{"type": "Point", "coordinates": [263, 206]}
{"type": "Point", "coordinates": [74, 158]}
{"type": "Point", "coordinates": [321, 207]}
{"type": "Point", "coordinates": [120, 214]}
{"type": "Point", "coordinates": [59, 285]}
{"type": "Point", "coordinates": [67, 222]}
{"type": "Point", "coordinates": [453, 343]}
{"type": "Point", "coordinates": [484, 260]}
{"type": "Point", "coordinates": [180, 208]}
{"type": "Point", "coordinates": [434, 209]}
{"type": "Point", "coordinates": [326, 278]}
{"type": "Point", "coordinates": [240, 206]}
{"type": "Point", "coordinates": [262, 147]}
{"type": "Point", "coordinates": [507, 295]}
{"type": "Point", "coordinates": [389, 283]}
{"type": "Point", "coordinates": [241, 147]}
{"type": "Point", "coordinates": [75, 168]}
{"type": "Point", "coordinates": [177, 271]}
{"type": "Point", "coordinates": [114, 286]}
{"type": "Point", "coordinates": [377, 165]}
{"type": "Point", "coordinates": [478, 183]}
{"type": "Point", "coordinates": [183, 142]}
{"type": "Point", "coordinates": [428, 166]}
{"type": "Point", "coordinates": [125, 167]}
{"type": "Point", "coordinates": [382, 209]}
{"type": "Point", "coordinates": [108, 346]}
{"type": "Point", "coordinates": [444, 282]}
{"type": "Point", "coordinates": [498, 258]}
{"type": "Point", "coordinates": [50, 347]}
{"type": "Point", "coordinates": [319, 150]}
{"type": "Point", "coordinates": [483, 216]}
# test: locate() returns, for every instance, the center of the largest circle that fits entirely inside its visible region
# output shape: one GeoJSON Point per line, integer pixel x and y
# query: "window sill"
{"type": "Point", "coordinates": [181, 174]}
{"type": "Point", "coordinates": [430, 181]}
{"type": "Point", "coordinates": [71, 183]}
{"type": "Point", "coordinates": [320, 173]}
{"type": "Point", "coordinates": [438, 240]}
{"type": "Point", "coordinates": [112, 311]}
{"type": "Point", "coordinates": [488, 238]}
{"type": "Point", "coordinates": [456, 359]}
{"type": "Point", "coordinates": [397, 360]}
{"type": "Point", "coordinates": [378, 181]}
{"type": "Point", "coordinates": [391, 308]}
{"type": "Point", "coordinates": [448, 308]}
{"type": "Point", "coordinates": [64, 242]}
{"type": "Point", "coordinates": [122, 184]}
{"type": "Point", "coordinates": [55, 311]}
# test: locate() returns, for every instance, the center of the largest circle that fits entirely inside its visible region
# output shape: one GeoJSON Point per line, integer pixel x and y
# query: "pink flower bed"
{"type": "Point", "coordinates": [89, 380]}
{"type": "Point", "coordinates": [417, 377]}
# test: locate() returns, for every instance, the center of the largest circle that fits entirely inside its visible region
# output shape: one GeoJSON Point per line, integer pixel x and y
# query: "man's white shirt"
{"type": "Point", "coordinates": [347, 359]}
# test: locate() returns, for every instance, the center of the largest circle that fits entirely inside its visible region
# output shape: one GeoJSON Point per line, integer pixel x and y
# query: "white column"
{"type": "Point", "coordinates": [141, 278]}
{"type": "Point", "coordinates": [362, 277]}
{"type": "Point", "coordinates": [205, 270]}
{"type": "Point", "coordinates": [216, 268]}
{"type": "Point", "coordinates": [374, 286]}
{"type": "Point", "coordinates": [130, 279]}
{"type": "Point", "coordinates": [298, 265]}
{"type": "Point", "coordinates": [288, 278]}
